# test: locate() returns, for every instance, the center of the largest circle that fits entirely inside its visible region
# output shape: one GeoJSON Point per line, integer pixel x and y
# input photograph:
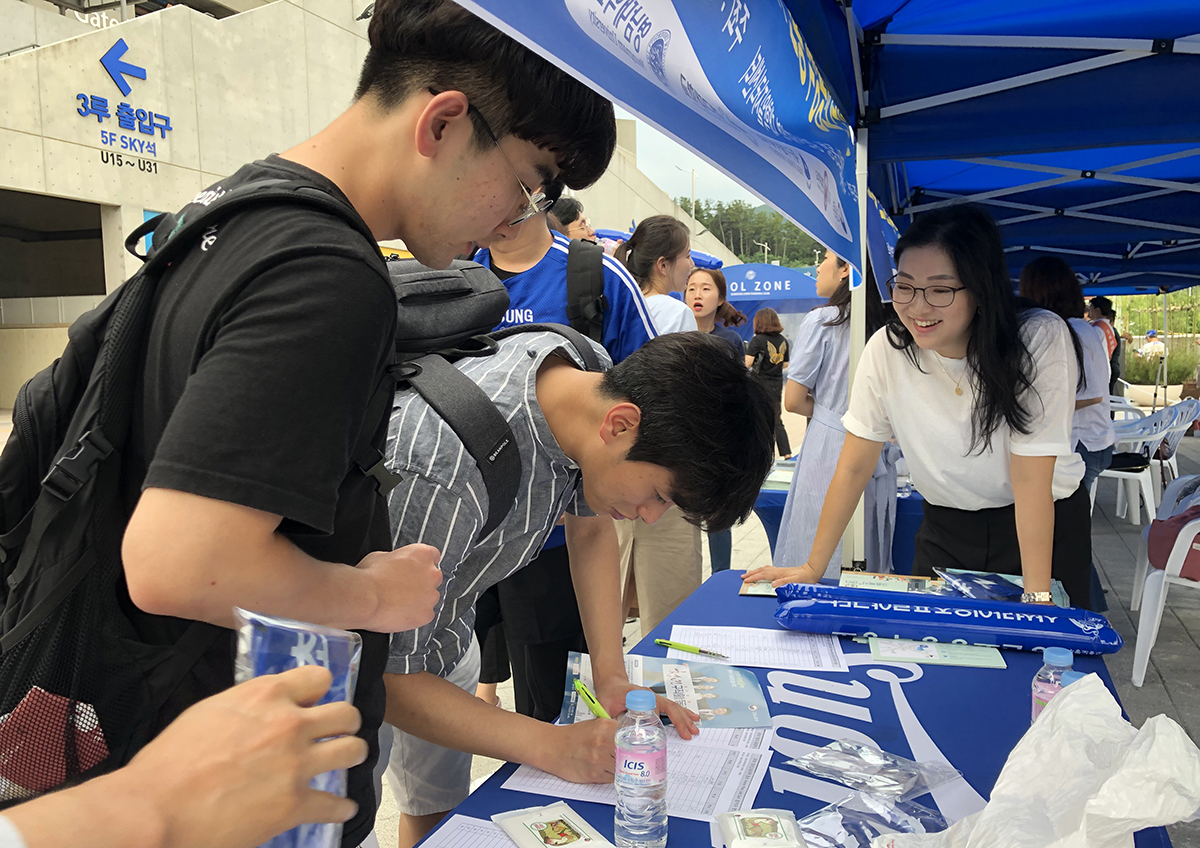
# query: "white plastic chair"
{"type": "Point", "coordinates": [1186, 412]}
{"type": "Point", "coordinates": [1123, 408]}
{"type": "Point", "coordinates": [1142, 436]}
{"type": "Point", "coordinates": [1152, 588]}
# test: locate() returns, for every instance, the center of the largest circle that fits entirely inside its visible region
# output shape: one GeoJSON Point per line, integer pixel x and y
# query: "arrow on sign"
{"type": "Point", "coordinates": [117, 69]}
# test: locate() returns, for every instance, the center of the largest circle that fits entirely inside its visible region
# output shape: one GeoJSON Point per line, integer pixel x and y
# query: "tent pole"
{"type": "Point", "coordinates": [856, 533]}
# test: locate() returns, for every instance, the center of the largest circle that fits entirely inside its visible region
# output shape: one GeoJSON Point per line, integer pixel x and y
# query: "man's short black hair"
{"type": "Point", "coordinates": [705, 417]}
{"type": "Point", "coordinates": [417, 45]}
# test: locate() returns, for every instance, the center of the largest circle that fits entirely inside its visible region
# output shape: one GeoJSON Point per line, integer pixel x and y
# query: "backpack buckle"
{"type": "Point", "coordinates": [77, 467]}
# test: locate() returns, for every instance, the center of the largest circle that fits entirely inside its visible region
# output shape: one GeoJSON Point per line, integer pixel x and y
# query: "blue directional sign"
{"type": "Point", "coordinates": [118, 69]}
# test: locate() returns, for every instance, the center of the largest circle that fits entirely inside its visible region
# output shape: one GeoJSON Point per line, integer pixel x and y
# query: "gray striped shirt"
{"type": "Point", "coordinates": [442, 500]}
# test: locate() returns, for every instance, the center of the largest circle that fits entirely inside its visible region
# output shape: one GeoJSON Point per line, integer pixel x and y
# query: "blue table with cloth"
{"type": "Point", "coordinates": [769, 509]}
{"type": "Point", "coordinates": [973, 716]}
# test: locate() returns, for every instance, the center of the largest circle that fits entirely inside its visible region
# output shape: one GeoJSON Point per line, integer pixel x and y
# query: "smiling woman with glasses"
{"type": "Point", "coordinates": [979, 393]}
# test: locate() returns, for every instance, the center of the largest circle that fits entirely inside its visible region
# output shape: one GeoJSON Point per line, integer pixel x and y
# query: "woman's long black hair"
{"type": "Point", "coordinates": [999, 363]}
{"type": "Point", "coordinates": [1049, 282]}
{"type": "Point", "coordinates": [877, 313]}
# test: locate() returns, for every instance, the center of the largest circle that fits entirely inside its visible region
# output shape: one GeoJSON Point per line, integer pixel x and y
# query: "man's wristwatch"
{"type": "Point", "coordinates": [1035, 597]}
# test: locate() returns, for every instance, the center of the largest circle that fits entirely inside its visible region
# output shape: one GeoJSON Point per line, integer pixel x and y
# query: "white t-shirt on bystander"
{"type": "Point", "coordinates": [918, 406]}
{"type": "Point", "coordinates": [670, 315]}
{"type": "Point", "coordinates": [1093, 425]}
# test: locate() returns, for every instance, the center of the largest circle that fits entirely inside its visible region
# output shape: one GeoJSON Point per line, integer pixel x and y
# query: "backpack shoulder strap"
{"type": "Point", "coordinates": [472, 415]}
{"type": "Point", "coordinates": [176, 233]}
{"type": "Point", "coordinates": [578, 341]}
{"type": "Point", "coordinates": [586, 302]}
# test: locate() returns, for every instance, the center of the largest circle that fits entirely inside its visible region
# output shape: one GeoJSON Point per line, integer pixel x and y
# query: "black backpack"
{"type": "Point", "coordinates": [79, 689]}
{"type": "Point", "coordinates": [447, 315]}
{"type": "Point", "coordinates": [585, 289]}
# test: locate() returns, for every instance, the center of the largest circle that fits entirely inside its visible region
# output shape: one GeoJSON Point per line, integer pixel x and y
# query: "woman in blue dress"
{"type": "Point", "coordinates": [818, 387]}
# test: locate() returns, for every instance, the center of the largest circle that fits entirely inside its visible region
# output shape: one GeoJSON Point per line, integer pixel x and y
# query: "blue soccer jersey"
{"type": "Point", "coordinates": [539, 295]}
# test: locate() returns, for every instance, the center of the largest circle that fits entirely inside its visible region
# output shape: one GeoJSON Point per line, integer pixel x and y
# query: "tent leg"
{"type": "Point", "coordinates": [854, 547]}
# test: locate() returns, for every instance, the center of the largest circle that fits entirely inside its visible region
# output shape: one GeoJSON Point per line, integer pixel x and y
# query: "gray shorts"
{"type": "Point", "coordinates": [426, 778]}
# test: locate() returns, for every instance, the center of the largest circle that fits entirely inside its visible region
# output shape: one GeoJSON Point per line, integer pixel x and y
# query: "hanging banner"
{"type": "Point", "coordinates": [881, 245]}
{"type": "Point", "coordinates": [733, 81]}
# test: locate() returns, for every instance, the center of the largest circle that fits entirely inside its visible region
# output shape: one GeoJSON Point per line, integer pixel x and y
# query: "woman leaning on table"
{"type": "Point", "coordinates": [979, 393]}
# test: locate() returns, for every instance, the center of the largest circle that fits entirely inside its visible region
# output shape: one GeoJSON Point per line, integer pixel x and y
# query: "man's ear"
{"type": "Point", "coordinates": [443, 116]}
{"type": "Point", "coordinates": [621, 422]}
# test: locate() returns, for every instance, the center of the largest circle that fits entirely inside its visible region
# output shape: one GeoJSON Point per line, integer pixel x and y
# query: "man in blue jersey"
{"type": "Point", "coordinates": [540, 617]}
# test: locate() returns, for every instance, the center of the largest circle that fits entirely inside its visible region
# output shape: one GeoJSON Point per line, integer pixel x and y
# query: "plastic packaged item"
{"type": "Point", "coordinates": [867, 769]}
{"type": "Point", "coordinates": [760, 829]}
{"type": "Point", "coordinates": [555, 824]}
{"type": "Point", "coordinates": [1048, 681]}
{"type": "Point", "coordinates": [854, 821]}
{"type": "Point", "coordinates": [267, 644]}
{"type": "Point", "coordinates": [640, 820]}
{"type": "Point", "coordinates": [1080, 776]}
{"type": "Point", "coordinates": [984, 587]}
{"type": "Point", "coordinates": [1000, 624]}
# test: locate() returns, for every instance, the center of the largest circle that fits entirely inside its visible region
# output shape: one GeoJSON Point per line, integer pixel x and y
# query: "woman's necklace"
{"type": "Point", "coordinates": [957, 387]}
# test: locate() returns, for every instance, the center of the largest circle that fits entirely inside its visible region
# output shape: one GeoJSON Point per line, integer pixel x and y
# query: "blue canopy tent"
{"type": "Point", "coordinates": [791, 292]}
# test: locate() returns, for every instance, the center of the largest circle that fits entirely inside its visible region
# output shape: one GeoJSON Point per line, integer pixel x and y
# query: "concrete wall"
{"type": "Point", "coordinates": [624, 194]}
{"type": "Point", "coordinates": [235, 89]}
{"type": "Point", "coordinates": [31, 24]}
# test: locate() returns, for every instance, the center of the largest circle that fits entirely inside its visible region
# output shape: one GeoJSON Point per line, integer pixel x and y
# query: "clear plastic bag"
{"type": "Point", "coordinates": [760, 829]}
{"type": "Point", "coordinates": [854, 821]}
{"type": "Point", "coordinates": [267, 644]}
{"type": "Point", "coordinates": [875, 772]}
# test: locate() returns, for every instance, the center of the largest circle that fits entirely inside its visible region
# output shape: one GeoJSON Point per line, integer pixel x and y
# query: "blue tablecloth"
{"type": "Point", "coordinates": [973, 716]}
{"type": "Point", "coordinates": [769, 509]}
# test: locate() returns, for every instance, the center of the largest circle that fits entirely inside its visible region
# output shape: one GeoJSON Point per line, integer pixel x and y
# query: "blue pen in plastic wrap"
{"type": "Point", "coordinates": [270, 645]}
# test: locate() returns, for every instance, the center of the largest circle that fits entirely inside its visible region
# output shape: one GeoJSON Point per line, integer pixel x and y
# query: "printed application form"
{"type": "Point", "coordinates": [762, 648]}
{"type": "Point", "coordinates": [463, 830]}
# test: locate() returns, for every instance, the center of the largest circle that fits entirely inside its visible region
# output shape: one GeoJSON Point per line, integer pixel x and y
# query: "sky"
{"type": "Point", "coordinates": [661, 159]}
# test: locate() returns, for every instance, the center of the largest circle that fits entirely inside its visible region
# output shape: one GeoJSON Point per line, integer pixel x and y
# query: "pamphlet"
{"type": "Point", "coordinates": [758, 589]}
{"type": "Point", "coordinates": [892, 583]}
{"type": "Point", "coordinates": [723, 696]}
{"type": "Point", "coordinates": [936, 653]}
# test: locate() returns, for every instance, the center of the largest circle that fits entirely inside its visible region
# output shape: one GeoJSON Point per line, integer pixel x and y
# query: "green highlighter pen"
{"type": "Point", "coordinates": [588, 698]}
{"type": "Point", "coordinates": [691, 649]}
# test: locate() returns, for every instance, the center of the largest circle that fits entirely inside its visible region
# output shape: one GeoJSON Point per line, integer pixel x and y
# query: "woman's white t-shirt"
{"type": "Point", "coordinates": [670, 315]}
{"type": "Point", "coordinates": [1093, 425]}
{"type": "Point", "coordinates": [891, 397]}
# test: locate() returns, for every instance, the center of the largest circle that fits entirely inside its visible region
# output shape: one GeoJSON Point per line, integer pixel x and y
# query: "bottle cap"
{"type": "Point", "coordinates": [641, 700]}
{"type": "Point", "coordinates": [1058, 656]}
{"type": "Point", "coordinates": [1069, 677]}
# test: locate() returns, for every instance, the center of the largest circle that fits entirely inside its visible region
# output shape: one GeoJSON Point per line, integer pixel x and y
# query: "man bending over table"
{"type": "Point", "coordinates": [680, 421]}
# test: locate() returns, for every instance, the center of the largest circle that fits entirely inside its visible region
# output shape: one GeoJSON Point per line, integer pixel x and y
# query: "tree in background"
{"type": "Point", "coordinates": [739, 226]}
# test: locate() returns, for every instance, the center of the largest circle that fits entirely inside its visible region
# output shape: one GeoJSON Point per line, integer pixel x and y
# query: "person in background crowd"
{"type": "Point", "coordinates": [980, 395]}
{"type": "Point", "coordinates": [231, 771]}
{"type": "Point", "coordinates": [1050, 283]}
{"type": "Point", "coordinates": [1101, 314]}
{"type": "Point", "coordinates": [818, 387]}
{"type": "Point", "coordinates": [566, 217]}
{"type": "Point", "coordinates": [1153, 346]}
{"type": "Point", "coordinates": [767, 354]}
{"type": "Point", "coordinates": [659, 256]}
{"type": "Point", "coordinates": [705, 294]}
{"type": "Point", "coordinates": [661, 563]}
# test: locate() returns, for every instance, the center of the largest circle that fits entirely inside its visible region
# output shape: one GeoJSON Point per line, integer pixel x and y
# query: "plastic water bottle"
{"type": "Point", "coordinates": [1048, 681]}
{"type": "Point", "coordinates": [641, 775]}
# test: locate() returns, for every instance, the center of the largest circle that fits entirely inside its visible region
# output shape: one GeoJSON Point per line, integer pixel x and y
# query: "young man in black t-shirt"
{"type": "Point", "coordinates": [272, 333]}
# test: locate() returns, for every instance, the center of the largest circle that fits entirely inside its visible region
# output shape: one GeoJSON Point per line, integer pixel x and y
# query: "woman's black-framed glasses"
{"type": "Point", "coordinates": [936, 296]}
{"type": "Point", "coordinates": [536, 202]}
